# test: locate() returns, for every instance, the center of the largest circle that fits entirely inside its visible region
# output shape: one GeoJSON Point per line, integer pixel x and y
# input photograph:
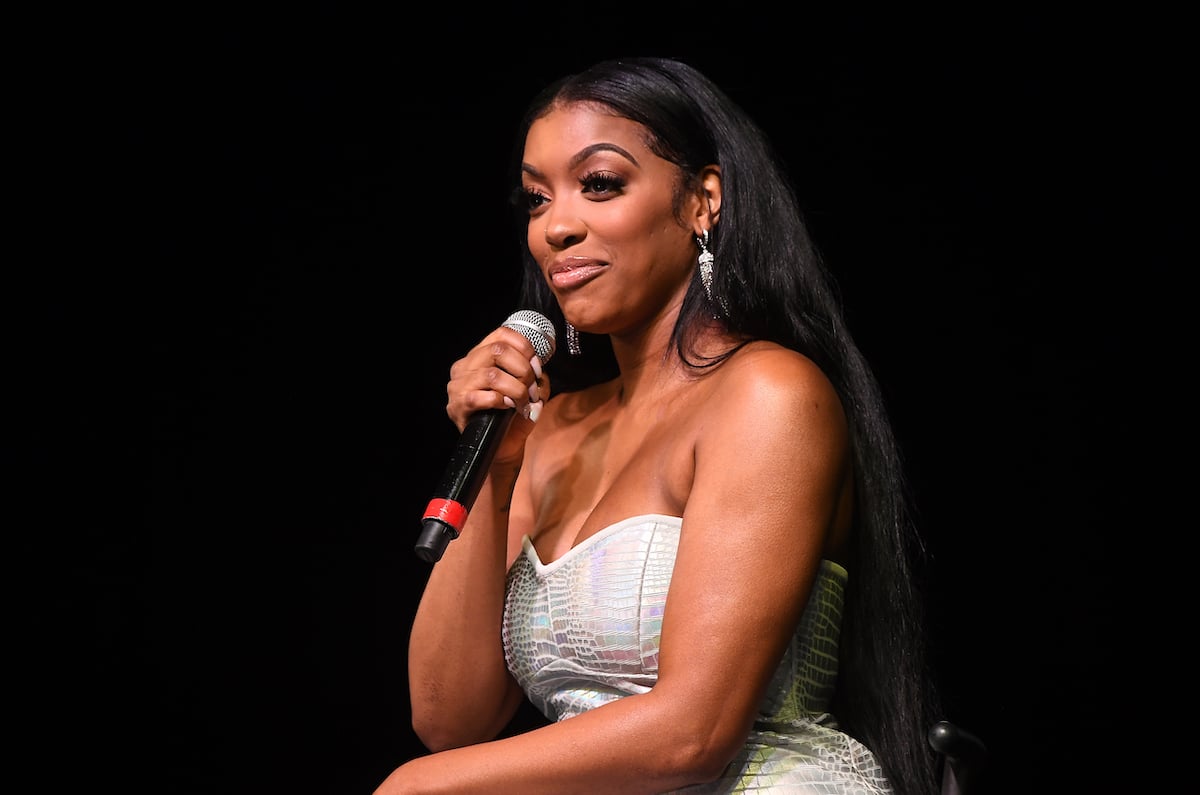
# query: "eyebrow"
{"type": "Point", "coordinates": [584, 154]}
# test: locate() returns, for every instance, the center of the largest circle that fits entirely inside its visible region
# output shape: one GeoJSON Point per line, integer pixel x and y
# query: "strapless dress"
{"type": "Point", "coordinates": [584, 630]}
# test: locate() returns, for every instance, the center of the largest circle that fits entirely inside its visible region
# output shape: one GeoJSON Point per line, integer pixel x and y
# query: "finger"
{"type": "Point", "coordinates": [502, 371]}
{"type": "Point", "coordinates": [517, 341]}
{"type": "Point", "coordinates": [514, 362]}
{"type": "Point", "coordinates": [532, 410]}
{"type": "Point", "coordinates": [488, 387]}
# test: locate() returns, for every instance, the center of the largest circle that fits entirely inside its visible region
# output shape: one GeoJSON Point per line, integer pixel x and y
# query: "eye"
{"type": "Point", "coordinates": [602, 184]}
{"type": "Point", "coordinates": [529, 199]}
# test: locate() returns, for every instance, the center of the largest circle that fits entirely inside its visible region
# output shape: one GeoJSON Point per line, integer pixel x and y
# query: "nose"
{"type": "Point", "coordinates": [564, 228]}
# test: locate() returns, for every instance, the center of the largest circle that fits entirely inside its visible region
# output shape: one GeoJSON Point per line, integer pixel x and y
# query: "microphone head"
{"type": "Point", "coordinates": [536, 328]}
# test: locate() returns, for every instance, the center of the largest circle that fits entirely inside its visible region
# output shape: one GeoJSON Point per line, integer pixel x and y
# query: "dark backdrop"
{"type": "Point", "coordinates": [273, 233]}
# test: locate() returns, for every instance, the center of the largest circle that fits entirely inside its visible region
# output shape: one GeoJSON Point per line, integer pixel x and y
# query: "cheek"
{"type": "Point", "coordinates": [535, 238]}
{"type": "Point", "coordinates": [670, 243]}
{"type": "Point", "coordinates": [637, 229]}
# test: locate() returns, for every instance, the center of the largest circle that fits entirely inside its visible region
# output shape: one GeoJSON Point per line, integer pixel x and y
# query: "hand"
{"type": "Point", "coordinates": [502, 371]}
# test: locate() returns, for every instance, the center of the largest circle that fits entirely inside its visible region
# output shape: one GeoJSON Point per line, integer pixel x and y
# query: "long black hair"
{"type": "Point", "coordinates": [771, 284]}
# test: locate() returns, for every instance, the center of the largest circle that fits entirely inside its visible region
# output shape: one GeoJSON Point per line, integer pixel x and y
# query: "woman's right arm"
{"type": "Point", "coordinates": [459, 685]}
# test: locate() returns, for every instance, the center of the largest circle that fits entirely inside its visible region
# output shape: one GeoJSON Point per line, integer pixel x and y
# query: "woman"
{"type": "Point", "coordinates": [696, 562]}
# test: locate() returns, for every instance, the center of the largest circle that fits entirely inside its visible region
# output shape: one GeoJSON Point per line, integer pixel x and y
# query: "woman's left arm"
{"type": "Point", "coordinates": [769, 471]}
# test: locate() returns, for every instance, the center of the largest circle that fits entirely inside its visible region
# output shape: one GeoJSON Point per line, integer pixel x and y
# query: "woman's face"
{"type": "Point", "coordinates": [603, 225]}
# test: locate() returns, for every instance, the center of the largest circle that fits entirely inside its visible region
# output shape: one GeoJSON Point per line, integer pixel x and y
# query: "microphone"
{"type": "Point", "coordinates": [447, 511]}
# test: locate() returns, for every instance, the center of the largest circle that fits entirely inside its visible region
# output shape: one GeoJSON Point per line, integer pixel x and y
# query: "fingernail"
{"type": "Point", "coordinates": [510, 402]}
{"type": "Point", "coordinates": [533, 411]}
{"type": "Point", "coordinates": [533, 392]}
{"type": "Point", "coordinates": [536, 364]}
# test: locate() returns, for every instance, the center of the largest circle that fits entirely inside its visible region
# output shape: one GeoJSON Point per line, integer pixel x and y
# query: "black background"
{"type": "Point", "coordinates": [269, 234]}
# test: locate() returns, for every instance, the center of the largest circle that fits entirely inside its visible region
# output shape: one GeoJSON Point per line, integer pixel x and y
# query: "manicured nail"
{"type": "Point", "coordinates": [533, 411]}
{"type": "Point", "coordinates": [536, 364]}
{"type": "Point", "coordinates": [533, 392]}
{"type": "Point", "coordinates": [509, 402]}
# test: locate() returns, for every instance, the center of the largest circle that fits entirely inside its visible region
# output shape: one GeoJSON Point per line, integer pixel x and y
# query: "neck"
{"type": "Point", "coordinates": [650, 364]}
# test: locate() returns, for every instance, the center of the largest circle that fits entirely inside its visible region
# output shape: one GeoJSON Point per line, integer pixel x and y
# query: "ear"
{"type": "Point", "coordinates": [708, 211]}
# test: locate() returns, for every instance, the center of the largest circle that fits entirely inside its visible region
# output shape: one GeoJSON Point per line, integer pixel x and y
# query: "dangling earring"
{"type": "Point", "coordinates": [573, 340]}
{"type": "Point", "coordinates": [706, 264]}
{"type": "Point", "coordinates": [706, 260]}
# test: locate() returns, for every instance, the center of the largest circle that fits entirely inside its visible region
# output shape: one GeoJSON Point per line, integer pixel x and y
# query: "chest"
{"type": "Point", "coordinates": [611, 465]}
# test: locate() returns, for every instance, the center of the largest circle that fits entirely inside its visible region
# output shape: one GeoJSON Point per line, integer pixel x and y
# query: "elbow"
{"type": "Point", "coordinates": [693, 743]}
{"type": "Point", "coordinates": [441, 726]}
{"type": "Point", "coordinates": [437, 733]}
{"type": "Point", "coordinates": [433, 736]}
{"type": "Point", "coordinates": [703, 757]}
{"type": "Point", "coordinates": [435, 743]}
{"type": "Point", "coordinates": [711, 764]}
{"type": "Point", "coordinates": [441, 738]}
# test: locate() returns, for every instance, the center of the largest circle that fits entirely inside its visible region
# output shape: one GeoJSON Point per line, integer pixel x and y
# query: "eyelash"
{"type": "Point", "coordinates": [602, 183]}
{"type": "Point", "coordinates": [604, 180]}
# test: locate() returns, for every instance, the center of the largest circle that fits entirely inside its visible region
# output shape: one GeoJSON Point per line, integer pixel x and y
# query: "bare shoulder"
{"type": "Point", "coordinates": [780, 417]}
{"type": "Point", "coordinates": [768, 375]}
{"type": "Point", "coordinates": [768, 395]}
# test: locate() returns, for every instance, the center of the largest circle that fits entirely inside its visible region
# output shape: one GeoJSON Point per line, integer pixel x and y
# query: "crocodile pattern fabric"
{"type": "Point", "coordinates": [584, 630]}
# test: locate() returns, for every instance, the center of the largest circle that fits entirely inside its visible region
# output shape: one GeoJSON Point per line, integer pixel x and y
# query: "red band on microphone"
{"type": "Point", "coordinates": [448, 511]}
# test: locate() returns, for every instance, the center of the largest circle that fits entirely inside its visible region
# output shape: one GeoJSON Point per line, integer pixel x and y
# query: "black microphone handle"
{"type": "Point", "coordinates": [447, 512]}
{"type": "Point", "coordinates": [461, 482]}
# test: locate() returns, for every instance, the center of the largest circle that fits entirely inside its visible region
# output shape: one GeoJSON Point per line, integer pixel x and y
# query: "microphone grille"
{"type": "Point", "coordinates": [536, 328]}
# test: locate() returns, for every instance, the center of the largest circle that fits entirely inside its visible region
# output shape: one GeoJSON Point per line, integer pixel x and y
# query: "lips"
{"type": "Point", "coordinates": [573, 274]}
